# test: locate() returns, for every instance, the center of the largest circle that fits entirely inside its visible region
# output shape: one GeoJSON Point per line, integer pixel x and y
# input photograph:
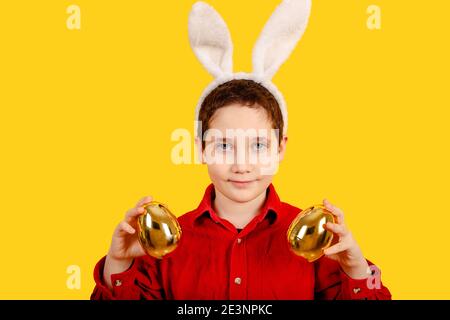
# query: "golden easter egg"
{"type": "Point", "coordinates": [307, 236]}
{"type": "Point", "coordinates": [158, 230]}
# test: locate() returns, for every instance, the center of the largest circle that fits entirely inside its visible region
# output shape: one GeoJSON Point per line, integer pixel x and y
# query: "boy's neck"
{"type": "Point", "coordinates": [238, 213]}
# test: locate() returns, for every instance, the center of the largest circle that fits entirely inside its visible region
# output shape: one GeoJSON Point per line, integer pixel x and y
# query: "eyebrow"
{"type": "Point", "coordinates": [223, 139]}
{"type": "Point", "coordinates": [259, 139]}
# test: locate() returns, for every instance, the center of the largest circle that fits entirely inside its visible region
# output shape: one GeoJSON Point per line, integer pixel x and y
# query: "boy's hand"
{"type": "Point", "coordinates": [125, 244]}
{"type": "Point", "coordinates": [346, 251]}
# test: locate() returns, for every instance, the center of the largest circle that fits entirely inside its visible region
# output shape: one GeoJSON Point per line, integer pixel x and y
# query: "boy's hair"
{"type": "Point", "coordinates": [245, 92]}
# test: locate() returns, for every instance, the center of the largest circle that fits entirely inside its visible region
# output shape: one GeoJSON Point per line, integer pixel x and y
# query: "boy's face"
{"type": "Point", "coordinates": [241, 151]}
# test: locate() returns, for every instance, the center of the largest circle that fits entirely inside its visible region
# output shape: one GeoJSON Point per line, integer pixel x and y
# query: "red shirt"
{"type": "Point", "coordinates": [215, 261]}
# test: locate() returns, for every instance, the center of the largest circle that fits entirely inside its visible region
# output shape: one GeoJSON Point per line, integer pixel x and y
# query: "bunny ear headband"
{"type": "Point", "coordinates": [211, 42]}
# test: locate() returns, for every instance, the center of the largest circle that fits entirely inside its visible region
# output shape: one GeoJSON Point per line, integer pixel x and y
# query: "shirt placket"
{"type": "Point", "coordinates": [238, 269]}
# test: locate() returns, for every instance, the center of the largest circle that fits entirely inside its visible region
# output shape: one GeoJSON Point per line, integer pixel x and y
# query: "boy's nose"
{"type": "Point", "coordinates": [241, 168]}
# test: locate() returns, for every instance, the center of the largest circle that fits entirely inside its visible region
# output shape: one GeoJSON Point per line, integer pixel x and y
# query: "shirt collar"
{"type": "Point", "coordinates": [272, 204]}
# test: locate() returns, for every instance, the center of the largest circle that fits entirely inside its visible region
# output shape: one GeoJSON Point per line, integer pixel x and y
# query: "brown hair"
{"type": "Point", "coordinates": [245, 92]}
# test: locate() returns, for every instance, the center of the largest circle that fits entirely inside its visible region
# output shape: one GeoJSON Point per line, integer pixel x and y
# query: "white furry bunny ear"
{"type": "Point", "coordinates": [210, 40]}
{"type": "Point", "coordinates": [280, 36]}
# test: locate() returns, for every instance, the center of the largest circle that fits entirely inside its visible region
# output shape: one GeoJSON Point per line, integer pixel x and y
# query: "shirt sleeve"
{"type": "Point", "coordinates": [331, 282]}
{"type": "Point", "coordinates": [140, 281]}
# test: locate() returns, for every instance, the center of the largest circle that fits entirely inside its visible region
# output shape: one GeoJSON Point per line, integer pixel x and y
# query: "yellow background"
{"type": "Point", "coordinates": [86, 118]}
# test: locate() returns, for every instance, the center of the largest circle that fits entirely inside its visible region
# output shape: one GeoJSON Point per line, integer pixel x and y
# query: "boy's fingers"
{"type": "Point", "coordinates": [339, 247]}
{"type": "Point", "coordinates": [133, 213]}
{"type": "Point", "coordinates": [144, 200]}
{"type": "Point", "coordinates": [338, 229]}
{"type": "Point", "coordinates": [334, 210]}
{"type": "Point", "coordinates": [138, 210]}
{"type": "Point", "coordinates": [125, 227]}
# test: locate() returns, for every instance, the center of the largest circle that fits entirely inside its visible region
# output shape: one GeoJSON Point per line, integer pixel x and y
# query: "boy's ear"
{"type": "Point", "coordinates": [282, 148]}
{"type": "Point", "coordinates": [280, 36]}
{"type": "Point", "coordinates": [210, 39]}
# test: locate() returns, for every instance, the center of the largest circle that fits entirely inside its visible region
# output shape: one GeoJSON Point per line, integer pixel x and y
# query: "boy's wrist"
{"type": "Point", "coordinates": [114, 265]}
{"type": "Point", "coordinates": [358, 270]}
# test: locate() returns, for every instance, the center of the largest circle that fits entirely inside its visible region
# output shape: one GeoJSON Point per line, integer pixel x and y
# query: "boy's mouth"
{"type": "Point", "coordinates": [241, 183]}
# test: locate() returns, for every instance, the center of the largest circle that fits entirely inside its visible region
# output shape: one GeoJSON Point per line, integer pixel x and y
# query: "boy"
{"type": "Point", "coordinates": [234, 243]}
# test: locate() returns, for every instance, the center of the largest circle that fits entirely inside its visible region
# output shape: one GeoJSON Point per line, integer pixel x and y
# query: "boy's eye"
{"type": "Point", "coordinates": [224, 146]}
{"type": "Point", "coordinates": [258, 146]}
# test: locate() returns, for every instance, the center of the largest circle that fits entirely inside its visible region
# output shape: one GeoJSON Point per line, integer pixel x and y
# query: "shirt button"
{"type": "Point", "coordinates": [118, 283]}
{"type": "Point", "coordinates": [239, 240]}
{"type": "Point", "coordinates": [237, 280]}
{"type": "Point", "coordinates": [356, 290]}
